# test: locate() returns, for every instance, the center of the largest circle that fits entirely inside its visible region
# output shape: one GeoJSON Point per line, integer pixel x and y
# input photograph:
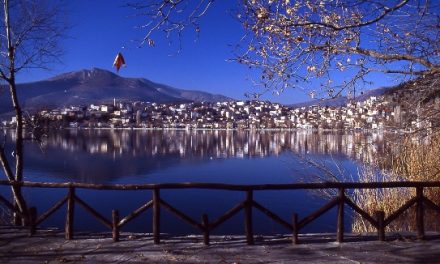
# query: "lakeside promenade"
{"type": "Point", "coordinates": [49, 246]}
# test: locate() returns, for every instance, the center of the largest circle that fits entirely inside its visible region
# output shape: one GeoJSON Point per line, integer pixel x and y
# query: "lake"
{"type": "Point", "coordinates": [218, 156]}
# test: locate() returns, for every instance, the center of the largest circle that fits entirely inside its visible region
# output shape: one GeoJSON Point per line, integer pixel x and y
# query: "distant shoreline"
{"type": "Point", "coordinates": [218, 129]}
{"type": "Point", "coordinates": [393, 130]}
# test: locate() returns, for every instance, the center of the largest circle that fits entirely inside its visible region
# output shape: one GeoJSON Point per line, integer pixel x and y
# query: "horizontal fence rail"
{"type": "Point", "coordinates": [230, 187]}
{"type": "Point", "coordinates": [378, 220]}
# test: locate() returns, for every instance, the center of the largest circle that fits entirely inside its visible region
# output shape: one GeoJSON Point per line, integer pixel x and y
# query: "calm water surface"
{"type": "Point", "coordinates": [236, 157]}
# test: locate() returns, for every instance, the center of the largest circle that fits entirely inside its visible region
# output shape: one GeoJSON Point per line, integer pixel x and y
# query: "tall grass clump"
{"type": "Point", "coordinates": [412, 159]}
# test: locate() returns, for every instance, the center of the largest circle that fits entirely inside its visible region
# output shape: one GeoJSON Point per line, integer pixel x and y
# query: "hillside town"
{"type": "Point", "coordinates": [376, 112]}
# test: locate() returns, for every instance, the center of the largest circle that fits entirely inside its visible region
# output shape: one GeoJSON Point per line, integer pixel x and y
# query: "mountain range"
{"type": "Point", "coordinates": [96, 86]}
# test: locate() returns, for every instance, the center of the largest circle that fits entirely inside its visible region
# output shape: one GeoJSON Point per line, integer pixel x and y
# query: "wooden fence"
{"type": "Point", "coordinates": [378, 220]}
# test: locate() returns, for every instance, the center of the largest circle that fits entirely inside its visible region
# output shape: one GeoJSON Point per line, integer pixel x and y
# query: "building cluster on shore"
{"type": "Point", "coordinates": [373, 113]}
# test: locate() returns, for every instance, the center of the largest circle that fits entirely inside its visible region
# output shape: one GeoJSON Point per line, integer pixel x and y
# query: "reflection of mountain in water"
{"type": "Point", "coordinates": [95, 155]}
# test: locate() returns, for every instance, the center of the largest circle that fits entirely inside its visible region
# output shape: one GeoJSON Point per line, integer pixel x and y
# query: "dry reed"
{"type": "Point", "coordinates": [413, 159]}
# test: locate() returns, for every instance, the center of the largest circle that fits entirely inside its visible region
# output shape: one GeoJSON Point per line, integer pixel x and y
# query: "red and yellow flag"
{"type": "Point", "coordinates": [119, 61]}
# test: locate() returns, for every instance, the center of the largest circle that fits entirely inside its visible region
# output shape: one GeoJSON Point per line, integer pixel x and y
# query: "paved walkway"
{"type": "Point", "coordinates": [49, 246]}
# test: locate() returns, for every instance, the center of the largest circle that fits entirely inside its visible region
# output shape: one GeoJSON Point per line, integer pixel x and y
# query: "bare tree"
{"type": "Point", "coordinates": [293, 43]}
{"type": "Point", "coordinates": [32, 31]}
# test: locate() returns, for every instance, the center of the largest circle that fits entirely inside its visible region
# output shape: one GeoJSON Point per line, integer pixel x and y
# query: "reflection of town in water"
{"type": "Point", "coordinates": [114, 155]}
{"type": "Point", "coordinates": [216, 143]}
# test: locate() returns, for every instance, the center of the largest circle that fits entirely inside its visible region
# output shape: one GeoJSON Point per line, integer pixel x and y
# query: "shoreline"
{"type": "Point", "coordinates": [366, 130]}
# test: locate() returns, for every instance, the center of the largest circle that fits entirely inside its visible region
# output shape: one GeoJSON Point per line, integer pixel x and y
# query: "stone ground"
{"type": "Point", "coordinates": [49, 246]}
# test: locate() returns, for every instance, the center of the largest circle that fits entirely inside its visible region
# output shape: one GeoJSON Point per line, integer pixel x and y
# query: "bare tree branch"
{"type": "Point", "coordinates": [309, 43]}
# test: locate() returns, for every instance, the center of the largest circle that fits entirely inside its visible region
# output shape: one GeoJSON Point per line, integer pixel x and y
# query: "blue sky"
{"type": "Point", "coordinates": [101, 29]}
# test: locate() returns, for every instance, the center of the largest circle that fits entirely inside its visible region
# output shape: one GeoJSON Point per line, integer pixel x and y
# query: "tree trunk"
{"type": "Point", "coordinates": [18, 196]}
{"type": "Point", "coordinates": [18, 153]}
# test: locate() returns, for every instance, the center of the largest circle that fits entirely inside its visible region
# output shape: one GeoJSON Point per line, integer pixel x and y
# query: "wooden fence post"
{"type": "Point", "coordinates": [340, 228]}
{"type": "Point", "coordinates": [295, 229]}
{"type": "Point", "coordinates": [380, 218]}
{"type": "Point", "coordinates": [156, 215]}
{"type": "Point", "coordinates": [205, 224]}
{"type": "Point", "coordinates": [420, 213]}
{"type": "Point", "coordinates": [70, 213]}
{"type": "Point", "coordinates": [115, 225]}
{"type": "Point", "coordinates": [248, 218]}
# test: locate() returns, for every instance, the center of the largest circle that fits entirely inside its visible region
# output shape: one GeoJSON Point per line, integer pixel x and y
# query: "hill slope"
{"type": "Point", "coordinates": [97, 86]}
{"type": "Point", "coordinates": [343, 100]}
